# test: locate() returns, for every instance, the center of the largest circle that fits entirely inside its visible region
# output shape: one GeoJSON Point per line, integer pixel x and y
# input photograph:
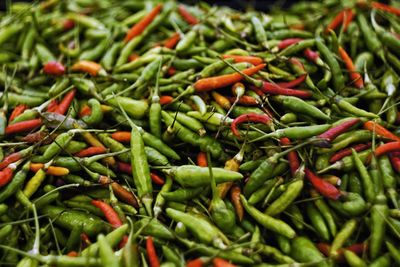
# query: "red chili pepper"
{"type": "Point", "coordinates": [14, 157]}
{"type": "Point", "coordinates": [165, 99]}
{"type": "Point", "coordinates": [244, 100]}
{"type": "Point", "coordinates": [293, 158]}
{"type": "Point", "coordinates": [121, 136]}
{"type": "Point", "coordinates": [258, 91]}
{"type": "Point", "coordinates": [151, 252]}
{"type": "Point", "coordinates": [211, 83]}
{"type": "Point", "coordinates": [68, 24]}
{"type": "Point", "coordinates": [249, 117]}
{"type": "Point", "coordinates": [72, 253]}
{"type": "Point", "coordinates": [172, 41]}
{"type": "Point", "coordinates": [324, 248]}
{"type": "Point", "coordinates": [380, 130]}
{"type": "Point", "coordinates": [218, 262]}
{"type": "Point", "coordinates": [355, 77]}
{"type": "Point", "coordinates": [395, 160]}
{"type": "Point", "coordinates": [39, 136]}
{"type": "Point", "coordinates": [311, 55]}
{"type": "Point", "coordinates": [156, 178]}
{"type": "Point", "coordinates": [23, 126]}
{"type": "Point", "coordinates": [348, 18]}
{"type": "Point", "coordinates": [85, 111]}
{"type": "Point", "coordinates": [53, 105]}
{"type": "Point", "coordinates": [139, 27]}
{"type": "Point", "coordinates": [91, 151]}
{"type": "Point", "coordinates": [195, 263]}
{"type": "Point", "coordinates": [347, 151]}
{"type": "Point", "coordinates": [275, 89]}
{"type": "Point", "coordinates": [387, 148]}
{"type": "Point", "coordinates": [323, 187]}
{"type": "Point", "coordinates": [293, 83]}
{"type": "Point", "coordinates": [171, 71]}
{"type": "Point", "coordinates": [337, 20]}
{"type": "Point", "coordinates": [5, 176]}
{"type": "Point", "coordinates": [18, 110]}
{"type": "Point", "coordinates": [124, 167]}
{"type": "Point", "coordinates": [387, 8]}
{"type": "Point", "coordinates": [54, 68]}
{"type": "Point", "coordinates": [332, 133]}
{"type": "Point", "coordinates": [202, 159]}
{"type": "Point", "coordinates": [288, 42]}
{"type": "Point", "coordinates": [108, 211]}
{"type": "Point", "coordinates": [189, 18]}
{"type": "Point", "coordinates": [249, 59]}
{"type": "Point", "coordinates": [65, 102]}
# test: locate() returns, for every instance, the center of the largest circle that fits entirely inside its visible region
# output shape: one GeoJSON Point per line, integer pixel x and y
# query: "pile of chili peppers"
{"type": "Point", "coordinates": [152, 133]}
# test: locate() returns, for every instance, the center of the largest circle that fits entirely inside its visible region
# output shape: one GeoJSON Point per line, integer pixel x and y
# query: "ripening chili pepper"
{"type": "Point", "coordinates": [244, 100]}
{"type": "Point", "coordinates": [347, 151]}
{"type": "Point", "coordinates": [195, 263]}
{"type": "Point", "coordinates": [380, 130]}
{"type": "Point", "coordinates": [166, 99]}
{"type": "Point", "coordinates": [51, 170]}
{"type": "Point", "coordinates": [42, 136]}
{"type": "Point", "coordinates": [216, 82]}
{"type": "Point", "coordinates": [218, 262]}
{"type": "Point", "coordinates": [235, 198]}
{"type": "Point", "coordinates": [189, 18]}
{"type": "Point", "coordinates": [91, 151]}
{"type": "Point", "coordinates": [151, 252]}
{"type": "Point", "coordinates": [53, 106]}
{"type": "Point", "coordinates": [323, 187]}
{"type": "Point", "coordinates": [54, 68]}
{"type": "Point", "coordinates": [288, 42]}
{"type": "Point", "coordinates": [18, 110]}
{"type": "Point", "coordinates": [333, 132]}
{"type": "Point", "coordinates": [249, 117]}
{"type": "Point", "coordinates": [108, 211]}
{"type": "Point", "coordinates": [65, 102]}
{"type": "Point", "coordinates": [119, 191]}
{"type": "Point", "coordinates": [14, 157]}
{"type": "Point", "coordinates": [23, 126]}
{"type": "Point", "coordinates": [387, 8]}
{"type": "Point", "coordinates": [172, 41]}
{"type": "Point", "coordinates": [201, 159]}
{"type": "Point", "coordinates": [124, 167]}
{"type": "Point", "coordinates": [355, 77]}
{"type": "Point", "coordinates": [387, 148]}
{"type": "Point", "coordinates": [292, 156]}
{"type": "Point", "coordinates": [221, 100]}
{"type": "Point", "coordinates": [85, 111]}
{"type": "Point", "coordinates": [121, 136]}
{"type": "Point", "coordinates": [156, 178]}
{"type": "Point", "coordinates": [249, 59]}
{"type": "Point", "coordinates": [72, 253]}
{"type": "Point", "coordinates": [139, 27]}
{"type": "Point", "coordinates": [87, 66]}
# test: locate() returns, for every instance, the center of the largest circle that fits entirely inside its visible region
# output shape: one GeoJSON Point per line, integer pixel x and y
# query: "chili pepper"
{"type": "Point", "coordinates": [324, 188]}
{"type": "Point", "coordinates": [337, 20]}
{"type": "Point", "coordinates": [386, 8]}
{"type": "Point", "coordinates": [172, 41]}
{"type": "Point", "coordinates": [151, 252]}
{"type": "Point", "coordinates": [218, 262]}
{"type": "Point", "coordinates": [354, 75]}
{"type": "Point", "coordinates": [156, 178]}
{"type": "Point", "coordinates": [347, 152]}
{"type": "Point", "coordinates": [249, 59]}
{"type": "Point", "coordinates": [23, 126]}
{"type": "Point", "coordinates": [380, 130]}
{"type": "Point", "coordinates": [332, 133]}
{"type": "Point", "coordinates": [109, 213]}
{"type": "Point", "coordinates": [202, 159]}
{"type": "Point", "coordinates": [54, 68]}
{"type": "Point", "coordinates": [18, 110]}
{"type": "Point", "coordinates": [139, 27]}
{"type": "Point", "coordinates": [297, 105]}
{"type": "Point", "coordinates": [235, 198]}
{"type": "Point", "coordinates": [91, 151]}
{"type": "Point", "coordinates": [207, 84]}
{"type": "Point", "coordinates": [248, 117]}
